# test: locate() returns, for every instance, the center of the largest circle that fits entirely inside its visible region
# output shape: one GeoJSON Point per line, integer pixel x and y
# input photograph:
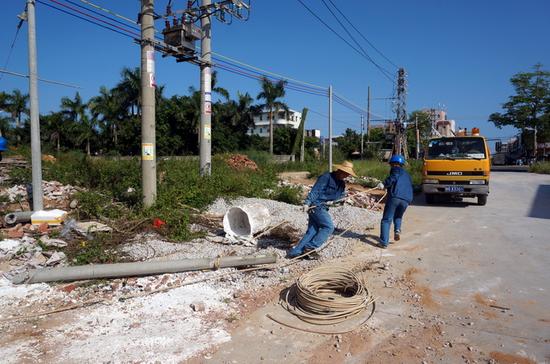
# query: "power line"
{"type": "Point", "coordinates": [380, 68]}
{"type": "Point", "coordinates": [4, 71]}
{"type": "Point", "coordinates": [342, 38]}
{"type": "Point", "coordinates": [95, 18]}
{"type": "Point", "coordinates": [12, 45]}
{"type": "Point", "coordinates": [362, 35]}
{"type": "Point", "coordinates": [83, 18]}
{"type": "Point", "coordinates": [109, 11]}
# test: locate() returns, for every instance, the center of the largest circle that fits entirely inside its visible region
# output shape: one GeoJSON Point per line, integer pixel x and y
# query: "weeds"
{"type": "Point", "coordinates": [540, 167]}
{"type": "Point", "coordinates": [100, 250]}
{"type": "Point", "coordinates": [288, 194]}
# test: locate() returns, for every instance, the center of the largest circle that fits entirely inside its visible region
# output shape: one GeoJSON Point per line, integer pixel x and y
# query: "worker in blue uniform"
{"type": "Point", "coordinates": [328, 188]}
{"type": "Point", "coordinates": [400, 195]}
{"type": "Point", "coordinates": [3, 145]}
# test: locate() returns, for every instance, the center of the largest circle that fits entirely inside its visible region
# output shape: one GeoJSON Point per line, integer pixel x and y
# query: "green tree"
{"type": "Point", "coordinates": [17, 106]}
{"type": "Point", "coordinates": [106, 108]}
{"type": "Point", "coordinates": [530, 106]}
{"type": "Point", "coordinates": [271, 93]}
{"type": "Point", "coordinates": [53, 129]}
{"type": "Point", "coordinates": [349, 142]}
{"type": "Point", "coordinates": [82, 125]}
{"type": "Point", "coordinates": [130, 90]}
{"type": "Point", "coordinates": [424, 127]}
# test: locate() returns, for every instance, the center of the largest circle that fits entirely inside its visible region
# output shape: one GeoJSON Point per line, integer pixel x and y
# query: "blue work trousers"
{"type": "Point", "coordinates": [319, 228]}
{"type": "Point", "coordinates": [394, 210]}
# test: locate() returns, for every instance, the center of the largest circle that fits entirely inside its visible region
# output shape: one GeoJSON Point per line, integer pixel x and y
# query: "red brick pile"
{"type": "Point", "coordinates": [241, 162]}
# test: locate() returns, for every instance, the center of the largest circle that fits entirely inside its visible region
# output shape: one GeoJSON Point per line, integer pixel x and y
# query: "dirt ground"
{"type": "Point", "coordinates": [444, 293]}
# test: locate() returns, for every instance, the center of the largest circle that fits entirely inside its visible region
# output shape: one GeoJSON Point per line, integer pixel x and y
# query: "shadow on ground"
{"type": "Point", "coordinates": [540, 208]}
{"type": "Point", "coordinates": [420, 200]}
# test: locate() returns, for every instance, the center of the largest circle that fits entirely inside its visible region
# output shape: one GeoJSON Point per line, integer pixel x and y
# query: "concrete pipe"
{"type": "Point", "coordinates": [243, 222]}
{"type": "Point", "coordinates": [137, 269]}
{"type": "Point", "coordinates": [18, 217]}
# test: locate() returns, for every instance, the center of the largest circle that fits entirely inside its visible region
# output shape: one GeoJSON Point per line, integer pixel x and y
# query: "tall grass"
{"type": "Point", "coordinates": [540, 167]}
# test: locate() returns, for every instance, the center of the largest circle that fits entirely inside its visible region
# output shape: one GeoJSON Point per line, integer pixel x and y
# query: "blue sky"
{"type": "Point", "coordinates": [460, 54]}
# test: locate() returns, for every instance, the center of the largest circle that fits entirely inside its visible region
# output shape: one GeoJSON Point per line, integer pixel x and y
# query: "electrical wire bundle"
{"type": "Point", "coordinates": [327, 296]}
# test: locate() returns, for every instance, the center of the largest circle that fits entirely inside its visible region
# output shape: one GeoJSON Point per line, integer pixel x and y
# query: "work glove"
{"type": "Point", "coordinates": [305, 208]}
{"type": "Point", "coordinates": [381, 186]}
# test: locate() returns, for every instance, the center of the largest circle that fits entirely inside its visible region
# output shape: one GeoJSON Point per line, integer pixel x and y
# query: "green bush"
{"type": "Point", "coordinates": [540, 167]}
{"type": "Point", "coordinates": [288, 194]}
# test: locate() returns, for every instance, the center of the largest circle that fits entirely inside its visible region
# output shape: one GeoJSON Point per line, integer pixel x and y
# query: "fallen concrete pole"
{"type": "Point", "coordinates": [18, 217]}
{"type": "Point", "coordinates": [137, 269]}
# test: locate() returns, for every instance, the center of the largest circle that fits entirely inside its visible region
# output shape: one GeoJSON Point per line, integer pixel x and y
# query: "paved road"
{"type": "Point", "coordinates": [466, 284]}
{"type": "Point", "coordinates": [485, 257]}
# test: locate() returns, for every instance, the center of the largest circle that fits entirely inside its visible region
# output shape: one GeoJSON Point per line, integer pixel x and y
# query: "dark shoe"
{"type": "Point", "coordinates": [311, 256]}
{"type": "Point", "coordinates": [397, 235]}
{"type": "Point", "coordinates": [382, 246]}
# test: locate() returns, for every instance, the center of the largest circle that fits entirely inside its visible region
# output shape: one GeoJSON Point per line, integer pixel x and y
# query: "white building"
{"type": "Point", "coordinates": [280, 119]}
{"type": "Point", "coordinates": [315, 133]}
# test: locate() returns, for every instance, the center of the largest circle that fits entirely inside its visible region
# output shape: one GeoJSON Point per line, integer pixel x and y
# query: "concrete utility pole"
{"type": "Point", "coordinates": [36, 153]}
{"type": "Point", "coordinates": [362, 134]}
{"type": "Point", "coordinates": [330, 128]}
{"type": "Point", "coordinates": [303, 146]}
{"type": "Point", "coordinates": [417, 137]}
{"type": "Point", "coordinates": [368, 114]}
{"type": "Point", "coordinates": [148, 85]}
{"type": "Point", "coordinates": [205, 133]}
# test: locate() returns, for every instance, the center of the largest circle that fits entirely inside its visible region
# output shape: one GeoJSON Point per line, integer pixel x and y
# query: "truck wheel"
{"type": "Point", "coordinates": [430, 198]}
{"type": "Point", "coordinates": [481, 200]}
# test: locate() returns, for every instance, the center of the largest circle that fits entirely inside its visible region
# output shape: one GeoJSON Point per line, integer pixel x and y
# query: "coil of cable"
{"type": "Point", "coordinates": [328, 295]}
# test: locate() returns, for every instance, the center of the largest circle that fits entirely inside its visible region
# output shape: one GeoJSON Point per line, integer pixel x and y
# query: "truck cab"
{"type": "Point", "coordinates": [457, 166]}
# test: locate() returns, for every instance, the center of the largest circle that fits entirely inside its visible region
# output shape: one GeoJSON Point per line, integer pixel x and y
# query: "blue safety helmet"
{"type": "Point", "coordinates": [3, 144]}
{"type": "Point", "coordinates": [398, 158]}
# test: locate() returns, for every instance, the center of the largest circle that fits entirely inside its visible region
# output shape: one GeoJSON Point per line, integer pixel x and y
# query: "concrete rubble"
{"type": "Point", "coordinates": [53, 191]}
{"type": "Point", "coordinates": [19, 255]}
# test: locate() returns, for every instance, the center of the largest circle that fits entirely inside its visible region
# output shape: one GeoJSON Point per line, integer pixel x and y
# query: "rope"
{"type": "Point", "coordinates": [327, 296]}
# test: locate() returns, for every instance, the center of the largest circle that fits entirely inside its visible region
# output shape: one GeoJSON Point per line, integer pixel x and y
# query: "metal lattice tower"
{"type": "Point", "coordinates": [400, 144]}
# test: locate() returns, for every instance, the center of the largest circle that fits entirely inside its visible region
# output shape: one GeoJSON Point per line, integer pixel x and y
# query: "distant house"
{"type": "Point", "coordinates": [282, 119]}
{"type": "Point", "coordinates": [313, 133]}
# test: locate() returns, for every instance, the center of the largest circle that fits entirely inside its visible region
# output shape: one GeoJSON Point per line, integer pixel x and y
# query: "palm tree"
{"type": "Point", "coordinates": [130, 88]}
{"type": "Point", "coordinates": [271, 92]}
{"type": "Point", "coordinates": [108, 105]}
{"type": "Point", "coordinates": [17, 105]}
{"type": "Point", "coordinates": [75, 109]}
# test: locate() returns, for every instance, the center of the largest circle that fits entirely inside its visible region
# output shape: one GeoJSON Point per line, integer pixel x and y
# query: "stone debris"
{"type": "Point", "coordinates": [197, 306]}
{"type": "Point", "coordinates": [87, 227]}
{"type": "Point", "coordinates": [53, 190]}
{"type": "Point", "coordinates": [241, 162]}
{"type": "Point", "coordinates": [30, 253]}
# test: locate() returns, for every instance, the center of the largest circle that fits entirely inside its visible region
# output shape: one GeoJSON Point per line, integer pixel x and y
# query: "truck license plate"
{"type": "Point", "coordinates": [454, 189]}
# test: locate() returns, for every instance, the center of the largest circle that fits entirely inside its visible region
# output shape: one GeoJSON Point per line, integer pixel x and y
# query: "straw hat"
{"type": "Point", "coordinates": [346, 166]}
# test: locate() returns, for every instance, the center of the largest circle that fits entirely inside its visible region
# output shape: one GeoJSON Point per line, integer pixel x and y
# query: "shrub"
{"type": "Point", "coordinates": [540, 167]}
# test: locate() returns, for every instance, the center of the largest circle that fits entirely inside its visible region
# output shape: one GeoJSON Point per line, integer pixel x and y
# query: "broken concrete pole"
{"type": "Point", "coordinates": [137, 269]}
{"type": "Point", "coordinates": [18, 217]}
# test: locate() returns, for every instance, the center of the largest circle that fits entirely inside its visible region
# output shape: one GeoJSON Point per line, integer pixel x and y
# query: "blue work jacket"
{"type": "Point", "coordinates": [399, 184]}
{"type": "Point", "coordinates": [327, 188]}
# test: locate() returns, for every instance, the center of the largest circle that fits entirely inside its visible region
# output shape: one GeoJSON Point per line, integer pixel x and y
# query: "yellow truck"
{"type": "Point", "coordinates": [457, 166]}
